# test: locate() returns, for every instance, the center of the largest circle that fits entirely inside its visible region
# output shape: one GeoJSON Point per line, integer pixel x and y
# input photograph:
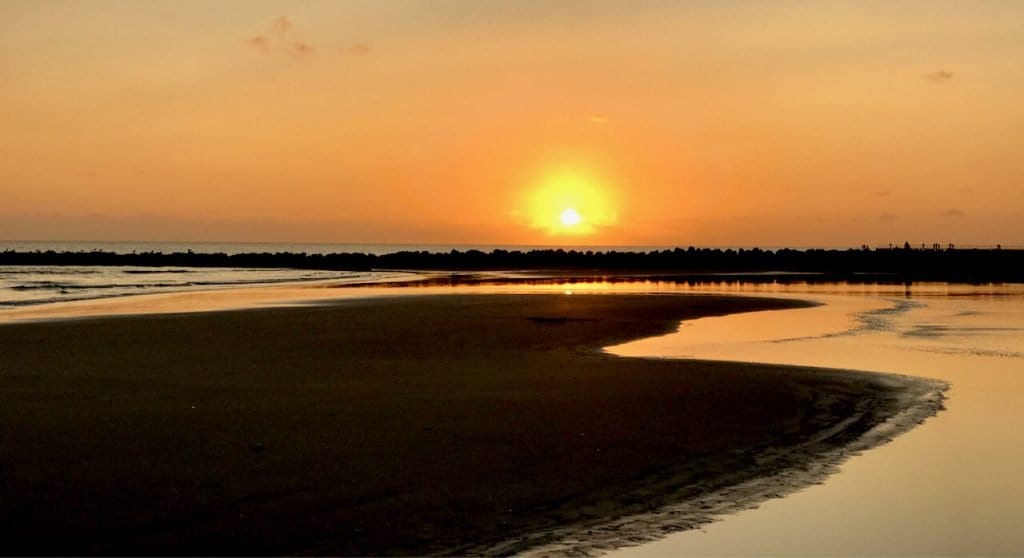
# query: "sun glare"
{"type": "Point", "coordinates": [570, 203]}
{"type": "Point", "coordinates": [570, 217]}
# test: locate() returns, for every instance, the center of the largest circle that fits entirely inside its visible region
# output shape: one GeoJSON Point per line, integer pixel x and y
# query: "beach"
{"type": "Point", "coordinates": [410, 425]}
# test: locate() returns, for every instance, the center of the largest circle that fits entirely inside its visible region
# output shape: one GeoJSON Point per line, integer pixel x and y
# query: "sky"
{"type": "Point", "coordinates": [726, 123]}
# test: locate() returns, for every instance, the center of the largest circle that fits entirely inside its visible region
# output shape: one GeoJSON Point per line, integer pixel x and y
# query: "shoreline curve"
{"type": "Point", "coordinates": [407, 425]}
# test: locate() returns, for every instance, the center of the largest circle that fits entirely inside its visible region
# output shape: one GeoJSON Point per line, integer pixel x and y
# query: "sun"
{"type": "Point", "coordinates": [570, 217]}
{"type": "Point", "coordinates": [569, 202]}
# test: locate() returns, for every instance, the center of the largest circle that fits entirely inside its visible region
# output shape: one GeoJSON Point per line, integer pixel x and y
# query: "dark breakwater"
{"type": "Point", "coordinates": [882, 264]}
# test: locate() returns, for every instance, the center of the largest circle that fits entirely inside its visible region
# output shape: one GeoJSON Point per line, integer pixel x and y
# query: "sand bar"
{"type": "Point", "coordinates": [405, 425]}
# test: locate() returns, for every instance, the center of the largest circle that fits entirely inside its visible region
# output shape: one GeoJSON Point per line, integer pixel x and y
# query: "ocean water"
{"type": "Point", "coordinates": [22, 285]}
{"type": "Point", "coordinates": [27, 285]}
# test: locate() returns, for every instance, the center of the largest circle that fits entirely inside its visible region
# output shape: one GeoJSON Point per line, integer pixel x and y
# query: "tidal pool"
{"type": "Point", "coordinates": [952, 486]}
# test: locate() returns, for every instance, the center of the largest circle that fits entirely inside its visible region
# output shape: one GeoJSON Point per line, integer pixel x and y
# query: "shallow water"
{"type": "Point", "coordinates": [951, 486]}
{"type": "Point", "coordinates": [25, 285]}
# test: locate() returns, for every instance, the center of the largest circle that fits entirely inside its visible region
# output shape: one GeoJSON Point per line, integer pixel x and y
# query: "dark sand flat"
{"type": "Point", "coordinates": [412, 425]}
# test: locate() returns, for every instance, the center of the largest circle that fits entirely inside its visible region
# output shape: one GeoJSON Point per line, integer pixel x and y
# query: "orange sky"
{"type": "Point", "coordinates": [668, 123]}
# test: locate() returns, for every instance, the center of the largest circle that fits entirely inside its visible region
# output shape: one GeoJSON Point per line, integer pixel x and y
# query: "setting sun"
{"type": "Point", "coordinates": [571, 217]}
{"type": "Point", "coordinates": [570, 203]}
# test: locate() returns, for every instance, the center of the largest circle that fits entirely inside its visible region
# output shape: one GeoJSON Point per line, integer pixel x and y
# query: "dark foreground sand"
{"type": "Point", "coordinates": [414, 425]}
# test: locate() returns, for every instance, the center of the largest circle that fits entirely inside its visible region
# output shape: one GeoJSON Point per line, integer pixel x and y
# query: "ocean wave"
{"type": "Point", "coordinates": [35, 270]}
{"type": "Point", "coordinates": [78, 287]}
{"type": "Point", "coordinates": [150, 271]}
{"type": "Point", "coordinates": [31, 285]}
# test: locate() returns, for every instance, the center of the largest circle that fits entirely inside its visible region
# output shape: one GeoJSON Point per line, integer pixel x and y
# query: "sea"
{"type": "Point", "coordinates": [28, 285]}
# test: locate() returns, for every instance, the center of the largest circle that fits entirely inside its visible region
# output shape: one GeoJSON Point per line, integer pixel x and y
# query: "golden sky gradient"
{"type": "Point", "coordinates": [661, 123]}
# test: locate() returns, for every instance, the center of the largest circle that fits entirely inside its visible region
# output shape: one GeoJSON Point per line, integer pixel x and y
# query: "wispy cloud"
{"type": "Point", "coordinates": [598, 119]}
{"type": "Point", "coordinates": [887, 217]}
{"type": "Point", "coordinates": [279, 37]}
{"type": "Point", "coordinates": [299, 49]}
{"type": "Point", "coordinates": [259, 41]}
{"type": "Point", "coordinates": [356, 49]}
{"type": "Point", "coordinates": [954, 213]}
{"type": "Point", "coordinates": [881, 193]}
{"type": "Point", "coordinates": [940, 76]}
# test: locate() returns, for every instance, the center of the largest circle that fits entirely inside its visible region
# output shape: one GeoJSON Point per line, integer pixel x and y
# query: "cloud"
{"type": "Point", "coordinates": [881, 193]}
{"type": "Point", "coordinates": [940, 76]}
{"type": "Point", "coordinates": [259, 41]}
{"type": "Point", "coordinates": [887, 217]}
{"type": "Point", "coordinates": [300, 49]}
{"type": "Point", "coordinates": [598, 119]}
{"type": "Point", "coordinates": [356, 49]}
{"type": "Point", "coordinates": [281, 26]}
{"type": "Point", "coordinates": [953, 213]}
{"type": "Point", "coordinates": [279, 37]}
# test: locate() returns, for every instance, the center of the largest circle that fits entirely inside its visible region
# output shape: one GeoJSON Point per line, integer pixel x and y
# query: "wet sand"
{"type": "Point", "coordinates": [412, 425]}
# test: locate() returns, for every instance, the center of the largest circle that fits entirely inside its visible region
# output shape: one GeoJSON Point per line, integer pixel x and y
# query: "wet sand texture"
{"type": "Point", "coordinates": [411, 425]}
